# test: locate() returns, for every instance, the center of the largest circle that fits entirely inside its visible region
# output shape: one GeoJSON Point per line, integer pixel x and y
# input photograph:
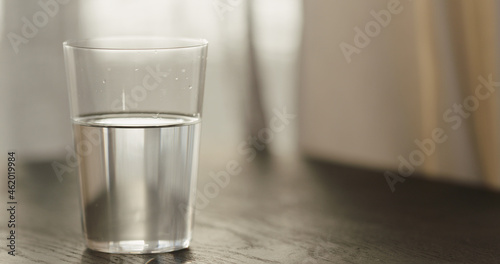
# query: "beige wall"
{"type": "Point", "coordinates": [397, 89]}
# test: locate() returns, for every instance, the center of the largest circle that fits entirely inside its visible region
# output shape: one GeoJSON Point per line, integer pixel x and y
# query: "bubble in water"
{"type": "Point", "coordinates": [190, 87]}
{"type": "Point", "coordinates": [156, 51]}
{"type": "Point", "coordinates": [104, 81]}
{"type": "Point", "coordinates": [183, 70]}
{"type": "Point", "coordinates": [136, 69]}
{"type": "Point", "coordinates": [176, 78]}
{"type": "Point", "coordinates": [156, 116]}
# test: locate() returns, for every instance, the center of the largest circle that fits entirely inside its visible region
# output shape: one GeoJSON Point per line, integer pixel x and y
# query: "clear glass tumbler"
{"type": "Point", "coordinates": [136, 107]}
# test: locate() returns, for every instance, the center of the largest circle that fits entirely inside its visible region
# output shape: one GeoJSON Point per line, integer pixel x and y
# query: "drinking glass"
{"type": "Point", "coordinates": [136, 105]}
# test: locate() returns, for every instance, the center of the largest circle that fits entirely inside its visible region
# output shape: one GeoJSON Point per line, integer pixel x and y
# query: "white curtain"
{"type": "Point", "coordinates": [459, 48]}
{"type": "Point", "coordinates": [35, 120]}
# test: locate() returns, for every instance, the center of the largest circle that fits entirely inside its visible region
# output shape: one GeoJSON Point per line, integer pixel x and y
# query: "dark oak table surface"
{"type": "Point", "coordinates": [282, 211]}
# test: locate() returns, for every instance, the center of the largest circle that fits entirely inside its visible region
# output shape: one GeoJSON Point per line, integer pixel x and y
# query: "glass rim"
{"type": "Point", "coordinates": [135, 43]}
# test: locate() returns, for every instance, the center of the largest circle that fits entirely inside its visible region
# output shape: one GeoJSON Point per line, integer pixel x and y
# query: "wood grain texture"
{"type": "Point", "coordinates": [278, 211]}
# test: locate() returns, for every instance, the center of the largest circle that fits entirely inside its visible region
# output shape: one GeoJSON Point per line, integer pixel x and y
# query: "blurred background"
{"type": "Point", "coordinates": [385, 84]}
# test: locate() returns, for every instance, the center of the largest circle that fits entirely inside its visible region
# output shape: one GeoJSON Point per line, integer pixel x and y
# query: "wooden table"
{"type": "Point", "coordinates": [282, 211]}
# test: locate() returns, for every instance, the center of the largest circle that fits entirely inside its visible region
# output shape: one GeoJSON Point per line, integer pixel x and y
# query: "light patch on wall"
{"type": "Point", "coordinates": [149, 17]}
{"type": "Point", "coordinates": [120, 17]}
{"type": "Point", "coordinates": [278, 24]}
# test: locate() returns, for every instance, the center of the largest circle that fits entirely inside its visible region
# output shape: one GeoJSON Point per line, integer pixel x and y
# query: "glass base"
{"type": "Point", "coordinates": [138, 246]}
